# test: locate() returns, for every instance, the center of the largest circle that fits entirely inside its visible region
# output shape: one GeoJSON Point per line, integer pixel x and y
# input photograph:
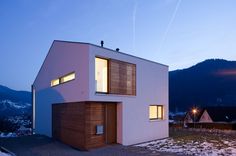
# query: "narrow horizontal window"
{"type": "Point", "coordinates": [155, 112]}
{"type": "Point", "coordinates": [63, 79]}
{"type": "Point", "coordinates": [55, 82]}
{"type": "Point", "coordinates": [67, 78]}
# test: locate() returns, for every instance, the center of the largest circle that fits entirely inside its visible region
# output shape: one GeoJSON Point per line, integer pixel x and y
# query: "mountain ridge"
{"type": "Point", "coordinates": [14, 102]}
{"type": "Point", "coordinates": [208, 83]}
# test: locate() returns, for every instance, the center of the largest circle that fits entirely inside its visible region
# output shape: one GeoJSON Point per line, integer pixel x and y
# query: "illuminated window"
{"type": "Point", "coordinates": [67, 78]}
{"type": "Point", "coordinates": [155, 112]}
{"type": "Point", "coordinates": [55, 82]}
{"type": "Point", "coordinates": [63, 79]}
{"type": "Point", "coordinates": [101, 75]}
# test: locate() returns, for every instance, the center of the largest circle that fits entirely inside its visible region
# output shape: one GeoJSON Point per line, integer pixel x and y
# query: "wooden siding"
{"type": "Point", "coordinates": [111, 122]}
{"type": "Point", "coordinates": [94, 113]}
{"type": "Point", "coordinates": [75, 124]}
{"type": "Point", "coordinates": [122, 77]}
{"type": "Point", "coordinates": [68, 122]}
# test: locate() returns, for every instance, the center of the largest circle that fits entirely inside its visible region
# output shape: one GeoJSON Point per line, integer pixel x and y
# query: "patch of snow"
{"type": "Point", "coordinates": [4, 154]}
{"type": "Point", "coordinates": [15, 104]}
{"type": "Point", "coordinates": [190, 148]}
{"type": "Point", "coordinates": [7, 135]}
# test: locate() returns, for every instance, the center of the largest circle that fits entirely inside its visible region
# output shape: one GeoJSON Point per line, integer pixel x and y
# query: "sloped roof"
{"type": "Point", "coordinates": [197, 115]}
{"type": "Point", "coordinates": [222, 114]}
{"type": "Point", "coordinates": [90, 44]}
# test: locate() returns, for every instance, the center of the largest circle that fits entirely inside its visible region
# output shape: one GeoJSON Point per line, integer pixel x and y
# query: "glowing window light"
{"type": "Point", "coordinates": [155, 112]}
{"type": "Point", "coordinates": [152, 112]}
{"type": "Point", "coordinates": [67, 78]}
{"type": "Point", "coordinates": [55, 82]}
{"type": "Point", "coordinates": [101, 75]}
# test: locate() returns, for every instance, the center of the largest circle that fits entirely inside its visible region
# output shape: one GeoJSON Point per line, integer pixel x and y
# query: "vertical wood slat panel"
{"type": "Point", "coordinates": [75, 124]}
{"type": "Point", "coordinates": [122, 77]}
{"type": "Point", "coordinates": [68, 123]}
{"type": "Point", "coordinates": [94, 115]}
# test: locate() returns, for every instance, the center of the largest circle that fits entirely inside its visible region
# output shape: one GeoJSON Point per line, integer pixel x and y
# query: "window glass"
{"type": "Point", "coordinates": [101, 75]}
{"type": "Point", "coordinates": [155, 112]}
{"type": "Point", "coordinates": [68, 77]}
{"type": "Point", "coordinates": [63, 79]}
{"type": "Point", "coordinates": [55, 82]}
{"type": "Point", "coordinates": [152, 112]}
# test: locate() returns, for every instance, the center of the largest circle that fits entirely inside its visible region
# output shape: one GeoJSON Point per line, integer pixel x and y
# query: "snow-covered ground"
{"type": "Point", "coordinates": [192, 148]}
{"type": "Point", "coordinates": [3, 154]}
{"type": "Point", "coordinates": [207, 145]}
{"type": "Point", "coordinates": [7, 135]}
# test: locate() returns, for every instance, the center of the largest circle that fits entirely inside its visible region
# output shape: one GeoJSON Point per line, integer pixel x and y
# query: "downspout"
{"type": "Point", "coordinates": [33, 109]}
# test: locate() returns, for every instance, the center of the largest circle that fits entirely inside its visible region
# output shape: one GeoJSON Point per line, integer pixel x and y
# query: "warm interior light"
{"type": "Point", "coordinates": [68, 77]}
{"type": "Point", "coordinates": [155, 112]}
{"type": "Point", "coordinates": [159, 108]}
{"type": "Point", "coordinates": [152, 112]}
{"type": "Point", "coordinates": [55, 82]}
{"type": "Point", "coordinates": [101, 76]}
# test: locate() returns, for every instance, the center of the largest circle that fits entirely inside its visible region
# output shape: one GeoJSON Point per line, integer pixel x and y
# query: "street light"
{"type": "Point", "coordinates": [194, 111]}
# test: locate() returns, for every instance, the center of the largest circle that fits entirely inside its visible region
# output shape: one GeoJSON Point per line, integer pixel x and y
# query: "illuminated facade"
{"type": "Point", "coordinates": [121, 98]}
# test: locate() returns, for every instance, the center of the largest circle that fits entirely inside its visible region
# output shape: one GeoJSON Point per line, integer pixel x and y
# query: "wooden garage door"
{"type": "Point", "coordinates": [75, 123]}
{"type": "Point", "coordinates": [68, 123]}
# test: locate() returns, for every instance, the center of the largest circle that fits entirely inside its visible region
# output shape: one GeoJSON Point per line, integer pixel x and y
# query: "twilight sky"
{"type": "Point", "coordinates": [179, 33]}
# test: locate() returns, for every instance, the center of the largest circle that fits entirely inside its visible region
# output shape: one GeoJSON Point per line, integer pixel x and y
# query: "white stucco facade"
{"type": "Point", "coordinates": [133, 124]}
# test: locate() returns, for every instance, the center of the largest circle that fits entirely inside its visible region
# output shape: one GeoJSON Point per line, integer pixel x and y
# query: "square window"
{"type": "Point", "coordinates": [155, 112]}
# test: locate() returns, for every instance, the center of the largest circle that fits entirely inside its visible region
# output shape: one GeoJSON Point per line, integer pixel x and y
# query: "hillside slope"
{"type": "Point", "coordinates": [209, 83]}
{"type": "Point", "coordinates": [14, 102]}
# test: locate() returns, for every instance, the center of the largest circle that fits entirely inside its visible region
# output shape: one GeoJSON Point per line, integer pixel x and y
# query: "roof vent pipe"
{"type": "Point", "coordinates": [102, 43]}
{"type": "Point", "coordinates": [117, 49]}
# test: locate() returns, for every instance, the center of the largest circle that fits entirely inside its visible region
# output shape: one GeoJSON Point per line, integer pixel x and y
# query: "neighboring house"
{"type": "Point", "coordinates": [218, 114]}
{"type": "Point", "coordinates": [190, 118]}
{"type": "Point", "coordinates": [88, 96]}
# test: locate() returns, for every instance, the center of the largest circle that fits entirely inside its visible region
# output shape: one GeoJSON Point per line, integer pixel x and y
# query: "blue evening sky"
{"type": "Point", "coordinates": [179, 33]}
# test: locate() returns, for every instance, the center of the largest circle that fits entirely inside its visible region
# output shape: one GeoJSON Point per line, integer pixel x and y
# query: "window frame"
{"type": "Point", "coordinates": [109, 92]}
{"type": "Point", "coordinates": [108, 78]}
{"type": "Point", "coordinates": [55, 80]}
{"type": "Point", "coordinates": [162, 112]}
{"type": "Point", "coordinates": [60, 79]}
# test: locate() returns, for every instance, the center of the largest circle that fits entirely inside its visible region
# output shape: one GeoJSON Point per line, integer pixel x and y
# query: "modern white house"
{"type": "Point", "coordinates": [88, 96]}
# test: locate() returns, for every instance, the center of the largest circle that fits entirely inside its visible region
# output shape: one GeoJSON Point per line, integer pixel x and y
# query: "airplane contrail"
{"type": "Point", "coordinates": [169, 24]}
{"type": "Point", "coordinates": [134, 25]}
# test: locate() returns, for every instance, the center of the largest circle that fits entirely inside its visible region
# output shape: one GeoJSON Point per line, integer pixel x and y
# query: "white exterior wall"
{"type": "Point", "coordinates": [151, 88]}
{"type": "Point", "coordinates": [62, 59]}
{"type": "Point", "coordinates": [133, 125]}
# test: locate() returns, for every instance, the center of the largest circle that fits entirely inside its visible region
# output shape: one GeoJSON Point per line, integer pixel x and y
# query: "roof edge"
{"type": "Point", "coordinates": [112, 50]}
{"type": "Point", "coordinates": [43, 62]}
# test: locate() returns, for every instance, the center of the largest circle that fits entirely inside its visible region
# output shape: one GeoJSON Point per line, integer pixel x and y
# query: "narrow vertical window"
{"type": "Point", "coordinates": [101, 75]}
{"type": "Point", "coordinates": [33, 107]}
